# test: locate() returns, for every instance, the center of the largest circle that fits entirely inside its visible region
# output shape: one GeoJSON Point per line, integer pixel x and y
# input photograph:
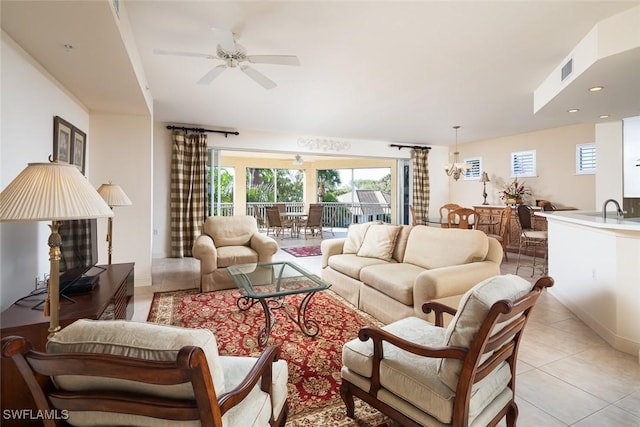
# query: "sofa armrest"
{"type": "Point", "coordinates": [204, 250]}
{"type": "Point", "coordinates": [331, 247]}
{"type": "Point", "coordinates": [451, 281]}
{"type": "Point", "coordinates": [264, 245]}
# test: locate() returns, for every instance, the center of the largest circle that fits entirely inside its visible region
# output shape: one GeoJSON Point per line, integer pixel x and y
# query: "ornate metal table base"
{"type": "Point", "coordinates": [309, 327]}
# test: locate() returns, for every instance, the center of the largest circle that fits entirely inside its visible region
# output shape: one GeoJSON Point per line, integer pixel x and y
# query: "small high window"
{"type": "Point", "coordinates": [523, 164]}
{"type": "Point", "coordinates": [476, 168]}
{"type": "Point", "coordinates": [585, 158]}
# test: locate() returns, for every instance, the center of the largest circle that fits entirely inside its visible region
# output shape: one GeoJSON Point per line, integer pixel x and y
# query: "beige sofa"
{"type": "Point", "coordinates": [226, 241]}
{"type": "Point", "coordinates": [389, 271]}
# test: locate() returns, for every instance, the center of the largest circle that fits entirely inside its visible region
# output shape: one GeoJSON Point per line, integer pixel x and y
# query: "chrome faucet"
{"type": "Point", "coordinates": [619, 211]}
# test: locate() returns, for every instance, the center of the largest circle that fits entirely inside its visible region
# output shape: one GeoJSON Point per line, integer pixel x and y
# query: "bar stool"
{"type": "Point", "coordinates": [531, 238]}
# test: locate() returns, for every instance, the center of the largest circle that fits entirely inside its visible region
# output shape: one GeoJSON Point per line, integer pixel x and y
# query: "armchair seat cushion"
{"type": "Point", "coordinates": [257, 407]}
{"type": "Point", "coordinates": [414, 379]}
{"type": "Point", "coordinates": [234, 255]}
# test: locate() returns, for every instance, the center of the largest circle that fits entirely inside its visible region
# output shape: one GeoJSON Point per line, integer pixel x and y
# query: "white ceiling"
{"type": "Point", "coordinates": [386, 70]}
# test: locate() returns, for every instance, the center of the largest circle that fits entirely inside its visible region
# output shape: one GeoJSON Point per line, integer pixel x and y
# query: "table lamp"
{"type": "Point", "coordinates": [51, 192]}
{"type": "Point", "coordinates": [113, 196]}
{"type": "Point", "coordinates": [484, 179]}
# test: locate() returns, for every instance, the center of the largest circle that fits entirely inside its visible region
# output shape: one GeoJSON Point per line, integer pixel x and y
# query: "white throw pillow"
{"type": "Point", "coordinates": [355, 237]}
{"type": "Point", "coordinates": [379, 241]}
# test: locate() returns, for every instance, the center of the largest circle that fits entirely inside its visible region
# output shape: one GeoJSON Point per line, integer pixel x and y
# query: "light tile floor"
{"type": "Point", "coordinates": [567, 374]}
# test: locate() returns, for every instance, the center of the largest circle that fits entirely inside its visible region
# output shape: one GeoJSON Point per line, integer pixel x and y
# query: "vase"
{"type": "Point", "coordinates": [514, 201]}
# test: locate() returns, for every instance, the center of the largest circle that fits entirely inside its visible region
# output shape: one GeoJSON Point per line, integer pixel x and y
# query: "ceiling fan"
{"type": "Point", "coordinates": [234, 55]}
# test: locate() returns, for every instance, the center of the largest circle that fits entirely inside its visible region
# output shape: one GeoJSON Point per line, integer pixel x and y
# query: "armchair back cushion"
{"type": "Point", "coordinates": [426, 246]}
{"type": "Point", "coordinates": [230, 230]}
{"type": "Point", "coordinates": [472, 311]}
{"type": "Point", "coordinates": [146, 341]}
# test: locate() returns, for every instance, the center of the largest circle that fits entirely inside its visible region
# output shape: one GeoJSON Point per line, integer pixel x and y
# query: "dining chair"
{"type": "Point", "coordinates": [503, 230]}
{"type": "Point", "coordinates": [412, 211]}
{"type": "Point", "coordinates": [444, 213]}
{"type": "Point", "coordinates": [461, 218]}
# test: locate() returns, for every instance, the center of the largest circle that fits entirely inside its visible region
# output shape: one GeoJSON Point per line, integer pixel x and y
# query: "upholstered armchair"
{"type": "Point", "coordinates": [420, 374]}
{"type": "Point", "coordinates": [141, 374]}
{"type": "Point", "coordinates": [226, 241]}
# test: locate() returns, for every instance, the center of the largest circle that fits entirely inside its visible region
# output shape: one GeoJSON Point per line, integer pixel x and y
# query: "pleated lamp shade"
{"type": "Point", "coordinates": [51, 192]}
{"type": "Point", "coordinates": [113, 195]}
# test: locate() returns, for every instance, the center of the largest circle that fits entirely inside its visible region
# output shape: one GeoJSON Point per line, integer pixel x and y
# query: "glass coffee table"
{"type": "Point", "coordinates": [269, 284]}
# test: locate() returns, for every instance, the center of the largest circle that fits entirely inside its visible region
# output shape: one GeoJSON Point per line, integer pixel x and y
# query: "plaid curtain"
{"type": "Point", "coordinates": [421, 191]}
{"type": "Point", "coordinates": [188, 190]}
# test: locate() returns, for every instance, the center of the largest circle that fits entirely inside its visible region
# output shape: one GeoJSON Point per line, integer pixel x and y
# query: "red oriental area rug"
{"type": "Point", "coordinates": [303, 251]}
{"type": "Point", "coordinates": [314, 363]}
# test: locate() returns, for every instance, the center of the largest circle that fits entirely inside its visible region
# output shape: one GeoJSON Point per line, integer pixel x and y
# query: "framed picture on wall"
{"type": "Point", "coordinates": [78, 148]}
{"type": "Point", "coordinates": [62, 131]}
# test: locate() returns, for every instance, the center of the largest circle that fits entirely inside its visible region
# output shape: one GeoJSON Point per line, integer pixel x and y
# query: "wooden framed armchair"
{"type": "Point", "coordinates": [121, 373]}
{"type": "Point", "coordinates": [464, 375]}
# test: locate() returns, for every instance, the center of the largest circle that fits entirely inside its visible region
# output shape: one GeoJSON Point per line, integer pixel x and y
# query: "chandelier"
{"type": "Point", "coordinates": [457, 168]}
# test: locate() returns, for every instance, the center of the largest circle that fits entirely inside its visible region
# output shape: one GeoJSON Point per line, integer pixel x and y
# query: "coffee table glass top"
{"type": "Point", "coordinates": [273, 279]}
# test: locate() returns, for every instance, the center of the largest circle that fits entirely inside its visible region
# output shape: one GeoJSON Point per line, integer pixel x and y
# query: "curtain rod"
{"type": "Point", "coordinates": [225, 132]}
{"type": "Point", "coordinates": [414, 147]}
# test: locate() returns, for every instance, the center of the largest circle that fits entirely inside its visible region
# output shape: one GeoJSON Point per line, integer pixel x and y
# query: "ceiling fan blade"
{"type": "Point", "coordinates": [189, 54]}
{"type": "Point", "coordinates": [274, 59]}
{"type": "Point", "coordinates": [225, 38]}
{"type": "Point", "coordinates": [258, 77]}
{"type": "Point", "coordinates": [212, 74]}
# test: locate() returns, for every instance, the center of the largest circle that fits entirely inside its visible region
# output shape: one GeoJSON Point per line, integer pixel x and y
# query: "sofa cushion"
{"type": "Point", "coordinates": [351, 264]}
{"type": "Point", "coordinates": [234, 255]}
{"type": "Point", "coordinates": [134, 339]}
{"type": "Point", "coordinates": [473, 309]}
{"type": "Point", "coordinates": [433, 247]}
{"type": "Point", "coordinates": [231, 230]}
{"type": "Point", "coordinates": [355, 237]}
{"type": "Point", "coordinates": [379, 241]}
{"type": "Point", "coordinates": [394, 279]}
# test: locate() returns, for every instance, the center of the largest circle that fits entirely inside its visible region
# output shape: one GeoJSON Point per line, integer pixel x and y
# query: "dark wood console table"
{"type": "Point", "coordinates": [112, 299]}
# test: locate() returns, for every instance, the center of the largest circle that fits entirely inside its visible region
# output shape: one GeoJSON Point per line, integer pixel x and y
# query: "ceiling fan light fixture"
{"type": "Point", "coordinates": [297, 161]}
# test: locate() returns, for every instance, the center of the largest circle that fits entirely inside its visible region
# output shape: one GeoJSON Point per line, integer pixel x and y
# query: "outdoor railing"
{"type": "Point", "coordinates": [334, 214]}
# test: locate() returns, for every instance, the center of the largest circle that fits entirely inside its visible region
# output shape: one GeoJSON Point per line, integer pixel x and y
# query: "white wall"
{"type": "Point", "coordinates": [30, 99]}
{"type": "Point", "coordinates": [609, 163]}
{"type": "Point", "coordinates": [122, 153]}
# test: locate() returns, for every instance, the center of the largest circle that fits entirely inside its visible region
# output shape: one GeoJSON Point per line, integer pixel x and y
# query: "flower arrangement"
{"type": "Point", "coordinates": [514, 191]}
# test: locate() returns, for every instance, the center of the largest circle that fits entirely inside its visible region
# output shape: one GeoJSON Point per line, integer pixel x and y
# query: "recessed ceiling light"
{"type": "Point", "coordinates": [604, 116]}
{"type": "Point", "coordinates": [596, 88]}
{"type": "Point", "coordinates": [573, 110]}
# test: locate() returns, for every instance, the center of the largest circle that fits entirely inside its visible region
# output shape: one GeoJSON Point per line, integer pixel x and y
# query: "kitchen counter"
{"type": "Point", "coordinates": [596, 266]}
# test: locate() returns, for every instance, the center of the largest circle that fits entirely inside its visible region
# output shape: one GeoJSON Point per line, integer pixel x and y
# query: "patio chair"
{"type": "Point", "coordinates": [276, 223]}
{"type": "Point", "coordinates": [143, 374]}
{"type": "Point", "coordinates": [313, 223]}
{"type": "Point", "coordinates": [420, 374]}
{"type": "Point", "coordinates": [262, 224]}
